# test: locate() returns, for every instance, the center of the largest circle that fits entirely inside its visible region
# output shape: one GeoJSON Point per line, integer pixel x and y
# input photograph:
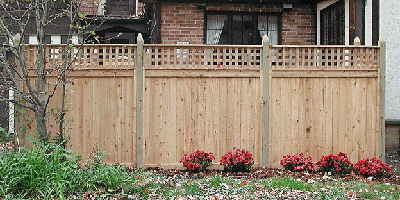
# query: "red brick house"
{"type": "Point", "coordinates": [295, 22]}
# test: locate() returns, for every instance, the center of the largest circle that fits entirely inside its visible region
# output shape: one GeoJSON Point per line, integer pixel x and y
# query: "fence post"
{"type": "Point", "coordinates": [139, 101]}
{"type": "Point", "coordinates": [382, 88]}
{"type": "Point", "coordinates": [265, 103]}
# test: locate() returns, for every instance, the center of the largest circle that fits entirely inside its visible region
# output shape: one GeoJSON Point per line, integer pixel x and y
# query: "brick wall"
{"type": "Point", "coordinates": [392, 138]}
{"type": "Point", "coordinates": [298, 26]}
{"type": "Point", "coordinates": [185, 22]}
{"type": "Point", "coordinates": [181, 22]}
{"type": "Point", "coordinates": [88, 7]}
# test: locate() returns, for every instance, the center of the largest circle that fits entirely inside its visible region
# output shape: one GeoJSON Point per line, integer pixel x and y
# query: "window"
{"type": "Point", "coordinates": [55, 39]}
{"type": "Point", "coordinates": [33, 39]}
{"type": "Point", "coordinates": [242, 28]}
{"type": "Point", "coordinates": [332, 24]}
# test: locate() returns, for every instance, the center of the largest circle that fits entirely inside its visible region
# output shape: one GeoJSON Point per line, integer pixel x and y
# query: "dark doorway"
{"type": "Point", "coordinates": [119, 41]}
{"type": "Point", "coordinates": [332, 24]}
{"type": "Point", "coordinates": [114, 35]}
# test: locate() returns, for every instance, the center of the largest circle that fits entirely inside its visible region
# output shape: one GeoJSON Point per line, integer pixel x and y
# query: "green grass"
{"type": "Point", "coordinates": [287, 182]}
{"type": "Point", "coordinates": [52, 172]}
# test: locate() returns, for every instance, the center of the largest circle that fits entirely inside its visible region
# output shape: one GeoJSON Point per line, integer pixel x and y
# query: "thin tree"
{"type": "Point", "coordinates": [28, 81]}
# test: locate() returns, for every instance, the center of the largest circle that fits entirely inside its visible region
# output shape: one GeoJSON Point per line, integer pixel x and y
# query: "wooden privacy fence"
{"type": "Point", "coordinates": [149, 104]}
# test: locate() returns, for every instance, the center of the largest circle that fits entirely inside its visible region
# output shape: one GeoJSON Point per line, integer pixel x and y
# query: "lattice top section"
{"type": "Point", "coordinates": [107, 56]}
{"type": "Point", "coordinates": [202, 57]}
{"type": "Point", "coordinates": [87, 56]}
{"type": "Point", "coordinates": [210, 56]}
{"type": "Point", "coordinates": [324, 57]}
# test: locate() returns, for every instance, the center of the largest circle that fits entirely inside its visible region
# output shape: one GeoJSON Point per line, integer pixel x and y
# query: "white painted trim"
{"type": "Point", "coordinates": [321, 6]}
{"type": "Point", "coordinates": [347, 22]}
{"type": "Point", "coordinates": [368, 23]}
{"type": "Point", "coordinates": [55, 39]}
{"type": "Point", "coordinates": [75, 39]}
{"type": "Point", "coordinates": [136, 7]}
{"type": "Point", "coordinates": [101, 8]}
{"type": "Point", "coordinates": [11, 122]}
{"type": "Point", "coordinates": [33, 39]}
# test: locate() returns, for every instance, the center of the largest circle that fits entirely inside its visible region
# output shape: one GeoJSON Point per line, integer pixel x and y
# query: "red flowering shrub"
{"type": "Point", "coordinates": [240, 161]}
{"type": "Point", "coordinates": [338, 164]}
{"type": "Point", "coordinates": [297, 163]}
{"type": "Point", "coordinates": [197, 161]}
{"type": "Point", "coordinates": [372, 167]}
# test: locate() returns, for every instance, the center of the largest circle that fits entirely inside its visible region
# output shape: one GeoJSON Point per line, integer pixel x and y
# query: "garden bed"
{"type": "Point", "coordinates": [259, 173]}
{"type": "Point", "coordinates": [52, 172]}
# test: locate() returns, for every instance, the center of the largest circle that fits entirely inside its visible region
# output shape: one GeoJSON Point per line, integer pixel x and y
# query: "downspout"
{"type": "Point", "coordinates": [11, 106]}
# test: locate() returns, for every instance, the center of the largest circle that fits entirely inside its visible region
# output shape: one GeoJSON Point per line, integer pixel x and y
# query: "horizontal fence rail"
{"type": "Point", "coordinates": [317, 100]}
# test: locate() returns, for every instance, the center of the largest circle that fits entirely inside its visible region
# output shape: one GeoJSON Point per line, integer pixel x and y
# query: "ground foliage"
{"type": "Point", "coordinates": [259, 183]}
{"type": "Point", "coordinates": [260, 173]}
{"type": "Point", "coordinates": [51, 172]}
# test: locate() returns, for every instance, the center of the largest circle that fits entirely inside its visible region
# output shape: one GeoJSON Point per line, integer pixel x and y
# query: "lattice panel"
{"type": "Point", "coordinates": [310, 57]}
{"type": "Point", "coordinates": [202, 57]}
{"type": "Point", "coordinates": [106, 56]}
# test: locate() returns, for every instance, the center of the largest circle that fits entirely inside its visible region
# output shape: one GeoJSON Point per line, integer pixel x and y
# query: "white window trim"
{"type": "Point", "coordinates": [100, 9]}
{"type": "Point", "coordinates": [136, 7]}
{"type": "Point", "coordinates": [11, 116]}
{"type": "Point", "coordinates": [74, 39]}
{"type": "Point", "coordinates": [55, 39]}
{"type": "Point", "coordinates": [33, 39]}
{"type": "Point", "coordinates": [368, 23]}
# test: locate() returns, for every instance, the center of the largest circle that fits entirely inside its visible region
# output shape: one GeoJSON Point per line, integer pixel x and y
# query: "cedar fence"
{"type": "Point", "coordinates": [149, 104]}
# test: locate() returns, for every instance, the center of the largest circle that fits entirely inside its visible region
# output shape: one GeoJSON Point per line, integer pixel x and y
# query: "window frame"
{"type": "Point", "coordinates": [230, 14]}
{"type": "Point", "coordinates": [332, 29]}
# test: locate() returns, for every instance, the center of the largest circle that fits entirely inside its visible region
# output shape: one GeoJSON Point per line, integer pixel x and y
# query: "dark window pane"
{"type": "Point", "coordinates": [248, 37]}
{"type": "Point", "coordinates": [241, 28]}
{"type": "Point", "coordinates": [237, 37]}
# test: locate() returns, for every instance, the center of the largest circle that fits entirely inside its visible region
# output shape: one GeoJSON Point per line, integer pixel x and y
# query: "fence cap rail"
{"type": "Point", "coordinates": [211, 45]}
{"type": "Point", "coordinates": [89, 45]}
{"type": "Point", "coordinates": [201, 45]}
{"type": "Point", "coordinates": [322, 46]}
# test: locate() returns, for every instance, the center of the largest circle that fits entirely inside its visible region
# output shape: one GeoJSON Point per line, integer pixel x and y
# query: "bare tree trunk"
{"type": "Point", "coordinates": [40, 115]}
{"type": "Point", "coordinates": [40, 111]}
{"type": "Point", "coordinates": [61, 139]}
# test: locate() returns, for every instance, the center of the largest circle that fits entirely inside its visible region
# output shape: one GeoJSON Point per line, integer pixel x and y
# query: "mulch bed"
{"type": "Point", "coordinates": [259, 173]}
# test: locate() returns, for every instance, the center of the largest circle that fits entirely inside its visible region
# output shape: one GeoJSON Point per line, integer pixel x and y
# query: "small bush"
{"type": "Point", "coordinates": [338, 164]}
{"type": "Point", "coordinates": [197, 161]}
{"type": "Point", "coordinates": [297, 163]}
{"type": "Point", "coordinates": [372, 167]}
{"type": "Point", "coordinates": [240, 161]}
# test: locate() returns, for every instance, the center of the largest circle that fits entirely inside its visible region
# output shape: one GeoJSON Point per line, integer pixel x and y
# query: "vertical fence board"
{"type": "Point", "coordinates": [223, 117]}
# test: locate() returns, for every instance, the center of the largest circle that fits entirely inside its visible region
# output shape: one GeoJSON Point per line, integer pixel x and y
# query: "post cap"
{"type": "Point", "coordinates": [357, 41]}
